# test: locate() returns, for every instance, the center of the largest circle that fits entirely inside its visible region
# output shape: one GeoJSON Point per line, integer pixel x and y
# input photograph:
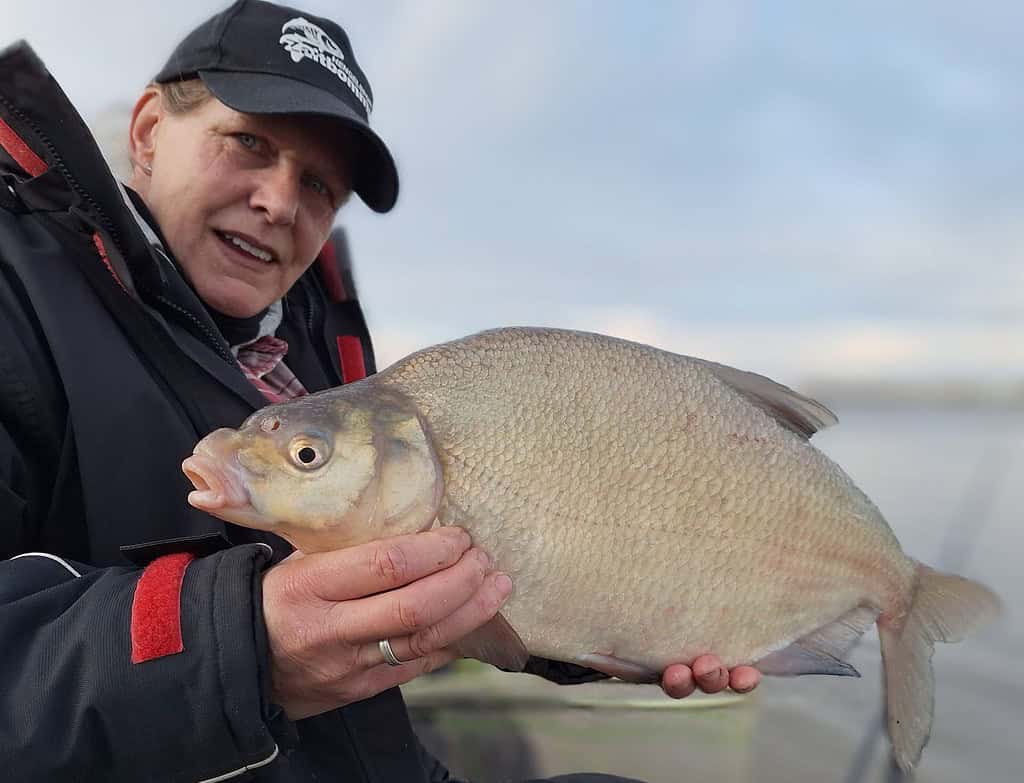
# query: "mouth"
{"type": "Point", "coordinates": [220, 482]}
{"type": "Point", "coordinates": [216, 473]}
{"type": "Point", "coordinates": [247, 247]}
{"type": "Point", "coordinates": [217, 486]}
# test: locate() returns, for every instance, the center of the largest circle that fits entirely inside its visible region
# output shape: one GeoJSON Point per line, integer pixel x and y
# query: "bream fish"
{"type": "Point", "coordinates": [649, 507]}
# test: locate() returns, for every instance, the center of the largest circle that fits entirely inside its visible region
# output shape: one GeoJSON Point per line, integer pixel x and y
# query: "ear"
{"type": "Point", "coordinates": [142, 133]}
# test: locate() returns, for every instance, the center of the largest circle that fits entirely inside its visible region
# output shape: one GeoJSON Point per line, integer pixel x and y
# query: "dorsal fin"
{"type": "Point", "coordinates": [793, 411]}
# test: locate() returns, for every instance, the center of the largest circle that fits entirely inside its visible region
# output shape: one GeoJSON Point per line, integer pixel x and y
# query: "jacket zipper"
{"type": "Point", "coordinates": [204, 330]}
{"type": "Point", "coordinates": [105, 221]}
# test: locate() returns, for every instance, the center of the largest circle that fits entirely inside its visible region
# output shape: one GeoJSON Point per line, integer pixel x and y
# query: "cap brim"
{"type": "Point", "coordinates": [376, 176]}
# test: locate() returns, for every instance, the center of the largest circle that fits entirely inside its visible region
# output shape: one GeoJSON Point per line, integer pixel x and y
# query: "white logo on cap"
{"type": "Point", "coordinates": [303, 39]}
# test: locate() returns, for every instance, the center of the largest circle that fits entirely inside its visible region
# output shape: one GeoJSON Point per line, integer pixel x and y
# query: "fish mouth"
{"type": "Point", "coordinates": [220, 481]}
{"type": "Point", "coordinates": [216, 486]}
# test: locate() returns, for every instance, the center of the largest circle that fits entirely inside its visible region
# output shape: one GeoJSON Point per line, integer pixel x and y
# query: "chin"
{"type": "Point", "coordinates": [237, 306]}
{"type": "Point", "coordinates": [240, 311]}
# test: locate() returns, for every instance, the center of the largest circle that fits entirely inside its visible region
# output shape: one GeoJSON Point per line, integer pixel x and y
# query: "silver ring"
{"type": "Point", "coordinates": [389, 655]}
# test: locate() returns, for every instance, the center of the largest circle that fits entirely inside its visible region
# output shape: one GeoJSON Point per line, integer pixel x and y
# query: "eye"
{"type": "Point", "coordinates": [247, 140]}
{"type": "Point", "coordinates": [308, 453]}
{"type": "Point", "coordinates": [318, 186]}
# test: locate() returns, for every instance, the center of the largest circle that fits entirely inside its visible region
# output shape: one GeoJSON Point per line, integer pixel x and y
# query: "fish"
{"type": "Point", "coordinates": [650, 507]}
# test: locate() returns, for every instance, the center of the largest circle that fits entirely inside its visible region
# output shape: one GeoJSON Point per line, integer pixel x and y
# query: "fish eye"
{"type": "Point", "coordinates": [307, 454]}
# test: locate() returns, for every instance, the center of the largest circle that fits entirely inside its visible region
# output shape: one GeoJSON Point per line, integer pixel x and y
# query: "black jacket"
{"type": "Point", "coordinates": [110, 370]}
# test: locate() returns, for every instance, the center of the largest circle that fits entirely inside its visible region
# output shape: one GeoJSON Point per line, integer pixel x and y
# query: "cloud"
{"type": "Point", "coordinates": [843, 350]}
{"type": "Point", "coordinates": [801, 189]}
{"type": "Point", "coordinates": [793, 354]}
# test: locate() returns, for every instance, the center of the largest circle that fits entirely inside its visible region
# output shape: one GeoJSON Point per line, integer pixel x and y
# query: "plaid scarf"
{"type": "Point", "coordinates": [261, 362]}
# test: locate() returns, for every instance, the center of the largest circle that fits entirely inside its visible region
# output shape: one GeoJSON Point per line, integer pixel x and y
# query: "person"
{"type": "Point", "coordinates": [142, 639]}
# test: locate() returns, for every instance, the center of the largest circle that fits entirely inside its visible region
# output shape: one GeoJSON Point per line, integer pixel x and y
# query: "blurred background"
{"type": "Point", "coordinates": [826, 193]}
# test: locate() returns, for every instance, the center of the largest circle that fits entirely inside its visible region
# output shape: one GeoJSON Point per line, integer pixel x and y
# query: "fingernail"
{"type": "Point", "coordinates": [456, 534]}
{"type": "Point", "coordinates": [504, 584]}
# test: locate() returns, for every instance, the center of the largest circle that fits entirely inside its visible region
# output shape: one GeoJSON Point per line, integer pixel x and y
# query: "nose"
{"type": "Point", "coordinates": [277, 193]}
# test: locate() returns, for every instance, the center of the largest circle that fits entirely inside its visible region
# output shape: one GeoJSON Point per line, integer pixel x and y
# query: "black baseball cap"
{"type": "Point", "coordinates": [262, 58]}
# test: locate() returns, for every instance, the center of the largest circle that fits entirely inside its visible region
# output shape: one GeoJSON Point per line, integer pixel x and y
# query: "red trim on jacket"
{"type": "Point", "coordinates": [20, 151]}
{"type": "Point", "coordinates": [350, 354]}
{"type": "Point", "coordinates": [102, 250]}
{"type": "Point", "coordinates": [328, 263]}
{"type": "Point", "coordinates": [156, 608]}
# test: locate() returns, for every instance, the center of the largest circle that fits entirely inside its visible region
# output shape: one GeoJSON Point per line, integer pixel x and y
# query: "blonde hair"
{"type": "Point", "coordinates": [177, 98]}
{"type": "Point", "coordinates": [184, 96]}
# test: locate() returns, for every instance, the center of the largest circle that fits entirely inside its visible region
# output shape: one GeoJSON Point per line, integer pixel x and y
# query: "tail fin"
{"type": "Point", "coordinates": [945, 608]}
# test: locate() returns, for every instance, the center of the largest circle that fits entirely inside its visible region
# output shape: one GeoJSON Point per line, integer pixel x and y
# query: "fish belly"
{"type": "Point", "coordinates": [658, 594]}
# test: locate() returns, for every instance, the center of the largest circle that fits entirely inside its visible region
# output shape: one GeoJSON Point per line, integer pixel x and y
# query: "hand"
{"type": "Point", "coordinates": [708, 674]}
{"type": "Point", "coordinates": [325, 614]}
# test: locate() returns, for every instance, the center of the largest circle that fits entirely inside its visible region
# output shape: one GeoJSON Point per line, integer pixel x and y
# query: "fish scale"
{"type": "Point", "coordinates": [649, 507]}
{"type": "Point", "coordinates": [581, 503]}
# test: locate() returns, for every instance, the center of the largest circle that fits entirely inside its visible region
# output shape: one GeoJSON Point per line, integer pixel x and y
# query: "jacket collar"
{"type": "Point", "coordinates": [76, 180]}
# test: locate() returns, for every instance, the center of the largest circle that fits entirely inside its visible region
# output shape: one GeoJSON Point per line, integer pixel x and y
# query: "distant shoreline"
{"type": "Point", "coordinates": [958, 395]}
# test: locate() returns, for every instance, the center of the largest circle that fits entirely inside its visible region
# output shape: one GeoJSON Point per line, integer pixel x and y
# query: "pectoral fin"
{"type": "Point", "coordinates": [497, 643]}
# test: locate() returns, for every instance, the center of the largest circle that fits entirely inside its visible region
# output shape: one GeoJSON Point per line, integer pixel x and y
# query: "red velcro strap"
{"type": "Point", "coordinates": [156, 610]}
{"type": "Point", "coordinates": [20, 151]}
{"type": "Point", "coordinates": [350, 351]}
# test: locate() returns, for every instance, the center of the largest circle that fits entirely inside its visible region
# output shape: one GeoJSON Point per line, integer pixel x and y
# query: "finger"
{"type": "Point", "coordinates": [711, 676]}
{"type": "Point", "coordinates": [382, 677]}
{"type": "Point", "coordinates": [412, 608]}
{"type": "Point", "coordinates": [358, 571]}
{"type": "Point", "coordinates": [677, 681]}
{"type": "Point", "coordinates": [467, 618]}
{"type": "Point", "coordinates": [744, 679]}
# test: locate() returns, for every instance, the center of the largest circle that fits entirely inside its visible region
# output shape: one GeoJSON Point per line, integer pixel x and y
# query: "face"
{"type": "Point", "coordinates": [245, 201]}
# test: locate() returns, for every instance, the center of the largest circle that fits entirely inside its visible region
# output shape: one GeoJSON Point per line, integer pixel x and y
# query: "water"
{"type": "Point", "coordinates": [951, 484]}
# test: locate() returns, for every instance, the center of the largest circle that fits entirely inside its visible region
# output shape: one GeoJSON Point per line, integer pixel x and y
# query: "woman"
{"type": "Point", "coordinates": [143, 639]}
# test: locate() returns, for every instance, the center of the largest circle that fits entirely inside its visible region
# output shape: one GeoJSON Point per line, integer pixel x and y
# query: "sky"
{"type": "Point", "coordinates": [804, 189]}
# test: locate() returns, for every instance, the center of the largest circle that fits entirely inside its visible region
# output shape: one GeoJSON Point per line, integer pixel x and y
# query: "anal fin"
{"type": "Point", "coordinates": [497, 643]}
{"type": "Point", "coordinates": [822, 651]}
{"type": "Point", "coordinates": [796, 659]}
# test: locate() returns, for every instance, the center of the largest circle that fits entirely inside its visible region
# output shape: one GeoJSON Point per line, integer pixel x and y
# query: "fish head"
{"type": "Point", "coordinates": [325, 471]}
